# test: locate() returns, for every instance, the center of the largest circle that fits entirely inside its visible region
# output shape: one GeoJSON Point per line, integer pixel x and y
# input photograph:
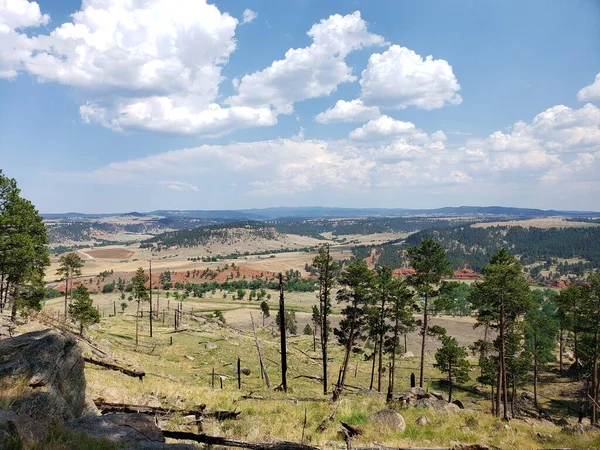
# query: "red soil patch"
{"type": "Point", "coordinates": [110, 253]}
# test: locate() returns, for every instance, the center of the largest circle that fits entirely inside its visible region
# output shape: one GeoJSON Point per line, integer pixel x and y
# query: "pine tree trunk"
{"type": "Point", "coordinates": [66, 296]}
{"type": "Point", "coordinates": [503, 362]}
{"type": "Point", "coordinates": [535, 373]}
{"type": "Point", "coordinates": [381, 337]}
{"type": "Point", "coordinates": [450, 383]}
{"type": "Point", "coordinates": [560, 351]}
{"type": "Point", "coordinates": [373, 365]}
{"type": "Point", "coordinates": [595, 369]}
{"type": "Point", "coordinates": [425, 328]}
{"type": "Point", "coordinates": [393, 366]}
{"type": "Point", "coordinates": [137, 317]}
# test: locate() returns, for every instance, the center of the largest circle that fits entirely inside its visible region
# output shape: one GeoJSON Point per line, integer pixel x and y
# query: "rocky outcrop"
{"type": "Point", "coordinates": [19, 428]}
{"type": "Point", "coordinates": [44, 370]}
{"type": "Point", "coordinates": [420, 398]}
{"type": "Point", "coordinates": [135, 430]}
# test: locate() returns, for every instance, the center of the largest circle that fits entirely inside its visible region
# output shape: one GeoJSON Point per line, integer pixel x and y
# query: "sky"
{"type": "Point", "coordinates": [137, 105]}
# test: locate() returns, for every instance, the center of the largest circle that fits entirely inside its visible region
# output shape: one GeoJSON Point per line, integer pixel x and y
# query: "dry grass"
{"type": "Point", "coordinates": [545, 222]}
{"type": "Point", "coordinates": [278, 418]}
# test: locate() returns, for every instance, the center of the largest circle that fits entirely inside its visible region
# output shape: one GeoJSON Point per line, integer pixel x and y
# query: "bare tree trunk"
{"type": "Point", "coordinates": [535, 372]}
{"type": "Point", "coordinates": [424, 331]}
{"type": "Point", "coordinates": [263, 370]}
{"type": "Point", "coordinates": [498, 390]}
{"type": "Point", "coordinates": [282, 334]}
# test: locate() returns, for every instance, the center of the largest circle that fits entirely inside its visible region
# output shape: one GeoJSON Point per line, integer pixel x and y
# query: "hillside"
{"type": "Point", "coordinates": [472, 246]}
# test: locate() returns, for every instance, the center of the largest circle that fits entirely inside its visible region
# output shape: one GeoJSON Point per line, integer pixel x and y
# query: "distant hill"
{"type": "Point", "coordinates": [332, 212]}
{"type": "Point", "coordinates": [230, 233]}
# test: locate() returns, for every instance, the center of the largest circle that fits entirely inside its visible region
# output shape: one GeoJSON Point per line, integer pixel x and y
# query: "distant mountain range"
{"type": "Point", "coordinates": [316, 212]}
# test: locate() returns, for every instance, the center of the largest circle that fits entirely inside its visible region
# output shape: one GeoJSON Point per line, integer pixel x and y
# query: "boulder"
{"type": "Point", "coordinates": [135, 430]}
{"type": "Point", "coordinates": [18, 427]}
{"type": "Point", "coordinates": [45, 370]}
{"type": "Point", "coordinates": [389, 418]}
{"type": "Point", "coordinates": [210, 346]}
{"type": "Point", "coordinates": [419, 398]}
{"type": "Point", "coordinates": [422, 421]}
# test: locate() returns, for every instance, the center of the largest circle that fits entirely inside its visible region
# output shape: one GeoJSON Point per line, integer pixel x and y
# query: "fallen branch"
{"type": "Point", "coordinates": [215, 440]}
{"type": "Point", "coordinates": [105, 408]}
{"type": "Point", "coordinates": [132, 373]}
{"type": "Point", "coordinates": [291, 399]}
{"type": "Point", "coordinates": [310, 377]}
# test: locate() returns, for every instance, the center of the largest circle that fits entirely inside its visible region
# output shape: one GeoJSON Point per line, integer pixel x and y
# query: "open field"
{"type": "Point", "coordinates": [545, 222]}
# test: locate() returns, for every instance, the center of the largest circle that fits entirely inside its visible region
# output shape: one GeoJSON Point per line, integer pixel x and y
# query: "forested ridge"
{"type": "Point", "coordinates": [472, 247]}
{"type": "Point", "coordinates": [222, 233]}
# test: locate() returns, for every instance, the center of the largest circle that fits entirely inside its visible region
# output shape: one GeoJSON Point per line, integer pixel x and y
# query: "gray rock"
{"type": "Point", "coordinates": [7, 327]}
{"type": "Point", "coordinates": [422, 421]}
{"type": "Point", "coordinates": [437, 395]}
{"type": "Point", "coordinates": [48, 366]}
{"type": "Point", "coordinates": [458, 403]}
{"type": "Point", "coordinates": [135, 430]}
{"type": "Point", "coordinates": [389, 418]}
{"type": "Point", "coordinates": [210, 346]}
{"type": "Point", "coordinates": [19, 427]}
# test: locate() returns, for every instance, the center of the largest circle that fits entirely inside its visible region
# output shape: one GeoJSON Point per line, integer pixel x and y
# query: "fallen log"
{"type": "Point", "coordinates": [132, 373]}
{"type": "Point", "coordinates": [310, 377]}
{"type": "Point", "coordinates": [290, 399]}
{"type": "Point", "coordinates": [105, 408]}
{"type": "Point", "coordinates": [216, 440]}
{"type": "Point", "coordinates": [351, 430]}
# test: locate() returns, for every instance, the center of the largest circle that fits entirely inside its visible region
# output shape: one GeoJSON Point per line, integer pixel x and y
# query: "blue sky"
{"type": "Point", "coordinates": [183, 104]}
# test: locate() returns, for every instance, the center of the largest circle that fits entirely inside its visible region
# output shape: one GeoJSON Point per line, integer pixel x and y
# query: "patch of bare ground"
{"type": "Point", "coordinates": [545, 222]}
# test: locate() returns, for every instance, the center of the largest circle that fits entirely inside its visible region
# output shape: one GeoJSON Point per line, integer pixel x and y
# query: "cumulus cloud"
{"type": "Point", "coordinates": [154, 65]}
{"type": "Point", "coordinates": [352, 111]}
{"type": "Point", "coordinates": [248, 16]}
{"type": "Point", "coordinates": [179, 186]}
{"type": "Point", "coordinates": [399, 78]}
{"type": "Point", "coordinates": [381, 128]}
{"type": "Point", "coordinates": [15, 45]}
{"type": "Point", "coordinates": [308, 72]}
{"type": "Point", "coordinates": [590, 92]}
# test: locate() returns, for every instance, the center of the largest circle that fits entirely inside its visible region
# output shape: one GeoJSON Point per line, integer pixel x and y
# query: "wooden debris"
{"type": "Point", "coordinates": [107, 365]}
{"type": "Point", "coordinates": [351, 429]}
{"type": "Point", "coordinates": [105, 408]}
{"type": "Point", "coordinates": [290, 399]}
{"type": "Point", "coordinates": [215, 440]}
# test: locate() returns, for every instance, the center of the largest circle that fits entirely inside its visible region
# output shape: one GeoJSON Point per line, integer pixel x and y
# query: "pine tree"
{"type": "Point", "coordinates": [140, 294]}
{"type": "Point", "coordinates": [356, 291]}
{"type": "Point", "coordinates": [451, 359]}
{"type": "Point", "coordinates": [23, 251]}
{"type": "Point", "coordinates": [430, 264]}
{"type": "Point", "coordinates": [82, 308]}
{"type": "Point", "coordinates": [325, 268]}
{"type": "Point", "coordinates": [264, 307]}
{"type": "Point", "coordinates": [501, 300]}
{"type": "Point", "coordinates": [70, 266]}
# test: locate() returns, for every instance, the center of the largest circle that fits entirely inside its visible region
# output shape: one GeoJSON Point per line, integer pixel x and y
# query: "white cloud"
{"type": "Point", "coordinates": [249, 16]}
{"type": "Point", "coordinates": [399, 77]}
{"type": "Point", "coordinates": [151, 65]}
{"type": "Point", "coordinates": [308, 72]}
{"type": "Point", "coordinates": [591, 92]}
{"type": "Point", "coordinates": [382, 128]}
{"type": "Point", "coordinates": [15, 46]}
{"type": "Point", "coordinates": [170, 115]}
{"type": "Point", "coordinates": [179, 186]}
{"type": "Point", "coordinates": [352, 111]}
